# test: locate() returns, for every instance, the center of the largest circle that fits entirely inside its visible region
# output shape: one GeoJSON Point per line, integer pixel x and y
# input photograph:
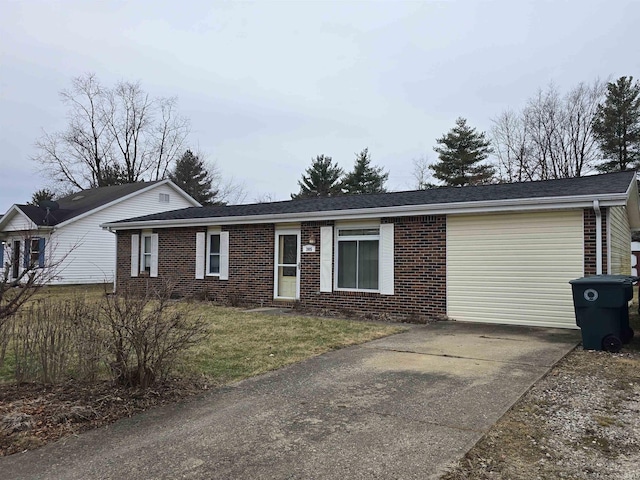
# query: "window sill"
{"type": "Point", "coordinates": [355, 290]}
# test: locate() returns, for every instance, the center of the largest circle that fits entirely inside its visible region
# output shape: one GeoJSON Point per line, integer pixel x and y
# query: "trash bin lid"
{"type": "Point", "coordinates": [605, 280]}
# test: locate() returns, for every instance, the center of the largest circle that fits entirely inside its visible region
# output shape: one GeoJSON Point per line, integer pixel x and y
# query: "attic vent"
{"type": "Point", "coordinates": [77, 197]}
{"type": "Point", "coordinates": [164, 198]}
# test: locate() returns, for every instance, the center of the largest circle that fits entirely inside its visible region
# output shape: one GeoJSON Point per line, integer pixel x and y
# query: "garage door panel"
{"type": "Point", "coordinates": [514, 268]}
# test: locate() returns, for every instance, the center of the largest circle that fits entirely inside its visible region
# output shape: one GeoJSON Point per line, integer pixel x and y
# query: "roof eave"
{"type": "Point", "coordinates": [492, 206]}
{"type": "Point", "coordinates": [128, 196]}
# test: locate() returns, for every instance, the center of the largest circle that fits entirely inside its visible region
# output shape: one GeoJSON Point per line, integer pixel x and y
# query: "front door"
{"type": "Point", "coordinates": [287, 282]}
{"type": "Point", "coordinates": [15, 259]}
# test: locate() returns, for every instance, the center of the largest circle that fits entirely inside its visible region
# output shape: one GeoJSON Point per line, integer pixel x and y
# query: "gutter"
{"type": "Point", "coordinates": [596, 209]}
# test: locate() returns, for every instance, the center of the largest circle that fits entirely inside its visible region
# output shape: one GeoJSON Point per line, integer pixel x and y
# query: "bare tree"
{"type": "Point", "coordinates": [230, 192]}
{"type": "Point", "coordinates": [421, 173]}
{"type": "Point", "coordinates": [551, 137]}
{"type": "Point", "coordinates": [114, 135]}
{"type": "Point", "coordinates": [265, 198]}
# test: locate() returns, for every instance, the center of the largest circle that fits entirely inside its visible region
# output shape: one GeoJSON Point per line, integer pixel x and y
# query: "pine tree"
{"type": "Point", "coordinates": [617, 126]}
{"type": "Point", "coordinates": [191, 175]}
{"type": "Point", "coordinates": [364, 178]}
{"type": "Point", "coordinates": [460, 155]}
{"type": "Point", "coordinates": [322, 179]}
{"type": "Point", "coordinates": [42, 195]}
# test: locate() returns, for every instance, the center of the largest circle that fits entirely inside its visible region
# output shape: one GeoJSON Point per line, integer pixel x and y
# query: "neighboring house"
{"type": "Point", "coordinates": [495, 253]}
{"type": "Point", "coordinates": [67, 233]}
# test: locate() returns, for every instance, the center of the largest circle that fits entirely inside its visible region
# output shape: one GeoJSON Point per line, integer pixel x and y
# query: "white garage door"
{"type": "Point", "coordinates": [514, 268]}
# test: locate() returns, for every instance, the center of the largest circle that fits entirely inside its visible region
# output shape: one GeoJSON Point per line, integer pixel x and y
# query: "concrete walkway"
{"type": "Point", "coordinates": [402, 407]}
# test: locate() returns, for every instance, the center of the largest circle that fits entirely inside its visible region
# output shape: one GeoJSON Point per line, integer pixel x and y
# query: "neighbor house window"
{"type": "Point", "coordinates": [213, 258]}
{"type": "Point", "coordinates": [34, 253]}
{"type": "Point", "coordinates": [357, 262]}
{"type": "Point", "coordinates": [164, 198]}
{"type": "Point", "coordinates": [145, 253]}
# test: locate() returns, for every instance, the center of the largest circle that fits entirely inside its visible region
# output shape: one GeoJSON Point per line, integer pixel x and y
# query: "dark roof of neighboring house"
{"type": "Point", "coordinates": [80, 202]}
{"type": "Point", "coordinates": [610, 183]}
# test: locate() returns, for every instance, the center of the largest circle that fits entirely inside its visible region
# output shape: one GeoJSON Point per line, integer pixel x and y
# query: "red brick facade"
{"type": "Point", "coordinates": [419, 268]}
{"type": "Point", "coordinates": [590, 241]}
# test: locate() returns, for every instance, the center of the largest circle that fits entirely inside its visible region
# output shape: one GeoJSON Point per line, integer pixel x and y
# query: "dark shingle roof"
{"type": "Point", "coordinates": [612, 183]}
{"type": "Point", "coordinates": [80, 202]}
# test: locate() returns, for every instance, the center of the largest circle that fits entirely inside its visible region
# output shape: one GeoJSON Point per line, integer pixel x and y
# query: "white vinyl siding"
{"type": "Point", "coordinates": [514, 268]}
{"type": "Point", "coordinates": [619, 235]}
{"type": "Point", "coordinates": [19, 223]}
{"type": "Point", "coordinates": [87, 252]}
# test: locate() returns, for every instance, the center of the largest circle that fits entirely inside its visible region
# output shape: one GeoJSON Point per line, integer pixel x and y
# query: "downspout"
{"type": "Point", "coordinates": [115, 265]}
{"type": "Point", "coordinates": [596, 209]}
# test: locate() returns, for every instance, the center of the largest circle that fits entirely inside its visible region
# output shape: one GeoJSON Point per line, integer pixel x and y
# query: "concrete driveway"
{"type": "Point", "coordinates": [402, 407]}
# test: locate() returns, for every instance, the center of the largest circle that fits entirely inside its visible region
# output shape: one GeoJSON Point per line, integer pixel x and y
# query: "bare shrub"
{"type": "Point", "coordinates": [147, 333]}
{"type": "Point", "coordinates": [5, 337]}
{"type": "Point", "coordinates": [57, 338]}
{"type": "Point", "coordinates": [235, 298]}
{"type": "Point", "coordinates": [43, 342]}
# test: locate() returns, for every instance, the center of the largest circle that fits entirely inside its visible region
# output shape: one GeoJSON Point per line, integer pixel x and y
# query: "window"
{"type": "Point", "coordinates": [164, 198]}
{"type": "Point", "coordinates": [145, 253]}
{"type": "Point", "coordinates": [34, 252]}
{"type": "Point", "coordinates": [358, 259]}
{"type": "Point", "coordinates": [213, 260]}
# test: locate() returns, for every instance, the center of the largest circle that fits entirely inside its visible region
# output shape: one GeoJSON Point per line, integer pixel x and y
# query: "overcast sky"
{"type": "Point", "coordinates": [270, 85]}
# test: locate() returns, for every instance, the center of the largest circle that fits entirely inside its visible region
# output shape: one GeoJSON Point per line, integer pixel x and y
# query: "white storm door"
{"type": "Point", "coordinates": [287, 264]}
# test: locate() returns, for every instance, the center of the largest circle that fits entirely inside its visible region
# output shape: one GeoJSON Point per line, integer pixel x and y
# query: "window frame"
{"type": "Point", "coordinates": [143, 254]}
{"type": "Point", "coordinates": [211, 233]}
{"type": "Point", "coordinates": [34, 263]}
{"type": "Point", "coordinates": [358, 239]}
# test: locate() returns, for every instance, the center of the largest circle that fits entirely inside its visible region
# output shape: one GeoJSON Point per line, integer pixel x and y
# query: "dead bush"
{"type": "Point", "coordinates": [52, 338]}
{"type": "Point", "coordinates": [147, 333]}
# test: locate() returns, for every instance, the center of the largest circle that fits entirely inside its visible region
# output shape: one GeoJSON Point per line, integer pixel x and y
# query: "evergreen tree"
{"type": "Point", "coordinates": [322, 179]}
{"type": "Point", "coordinates": [42, 195]}
{"type": "Point", "coordinates": [617, 126]}
{"type": "Point", "coordinates": [191, 174]}
{"type": "Point", "coordinates": [364, 178]}
{"type": "Point", "coordinates": [460, 154]}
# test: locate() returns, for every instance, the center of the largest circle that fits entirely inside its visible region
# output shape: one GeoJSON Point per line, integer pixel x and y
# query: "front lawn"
{"type": "Point", "coordinates": [241, 344]}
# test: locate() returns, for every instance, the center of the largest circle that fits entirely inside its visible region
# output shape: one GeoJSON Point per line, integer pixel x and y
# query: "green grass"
{"type": "Point", "coordinates": [244, 344]}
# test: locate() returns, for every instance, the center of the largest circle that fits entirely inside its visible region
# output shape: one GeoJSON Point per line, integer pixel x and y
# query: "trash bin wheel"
{"type": "Point", "coordinates": [627, 335]}
{"type": "Point", "coordinates": [611, 343]}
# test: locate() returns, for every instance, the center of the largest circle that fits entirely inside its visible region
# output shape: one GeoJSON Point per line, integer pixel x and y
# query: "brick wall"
{"type": "Point", "coordinates": [419, 269]}
{"type": "Point", "coordinates": [590, 241]}
{"type": "Point", "coordinates": [250, 264]}
{"type": "Point", "coordinates": [420, 273]}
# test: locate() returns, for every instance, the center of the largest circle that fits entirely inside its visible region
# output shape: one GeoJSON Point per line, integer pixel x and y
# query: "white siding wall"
{"type": "Point", "coordinates": [18, 223]}
{"type": "Point", "coordinates": [619, 241]}
{"type": "Point", "coordinates": [514, 268]}
{"type": "Point", "coordinates": [92, 249]}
